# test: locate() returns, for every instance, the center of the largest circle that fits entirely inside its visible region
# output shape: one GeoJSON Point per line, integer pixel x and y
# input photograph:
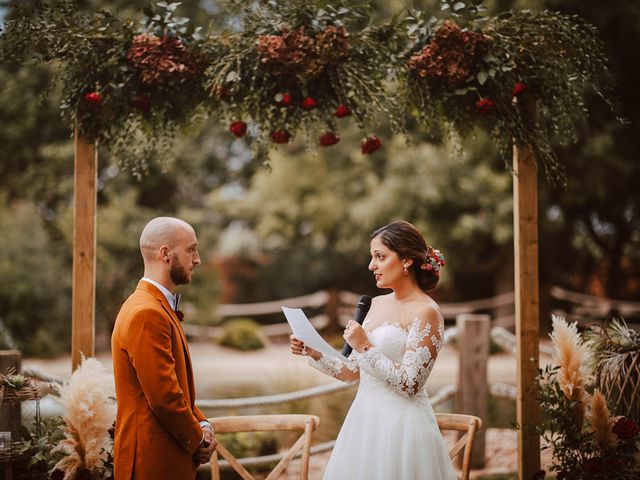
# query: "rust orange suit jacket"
{"type": "Point", "coordinates": [157, 425]}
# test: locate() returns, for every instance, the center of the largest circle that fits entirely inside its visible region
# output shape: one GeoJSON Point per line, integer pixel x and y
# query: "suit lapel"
{"type": "Point", "coordinates": [153, 290]}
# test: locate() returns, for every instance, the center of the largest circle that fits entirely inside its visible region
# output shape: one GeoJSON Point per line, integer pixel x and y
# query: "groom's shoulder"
{"type": "Point", "coordinates": [140, 301]}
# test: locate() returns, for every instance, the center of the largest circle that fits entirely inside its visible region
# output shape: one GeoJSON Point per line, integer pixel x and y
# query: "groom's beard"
{"type": "Point", "coordinates": [178, 274]}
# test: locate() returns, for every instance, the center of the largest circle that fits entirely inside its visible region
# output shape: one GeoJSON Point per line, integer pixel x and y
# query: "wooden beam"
{"type": "Point", "coordinates": [473, 348]}
{"type": "Point", "coordinates": [525, 214]}
{"type": "Point", "coordinates": [84, 249]}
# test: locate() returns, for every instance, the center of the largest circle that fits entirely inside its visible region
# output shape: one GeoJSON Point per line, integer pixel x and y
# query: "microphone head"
{"type": "Point", "coordinates": [364, 302]}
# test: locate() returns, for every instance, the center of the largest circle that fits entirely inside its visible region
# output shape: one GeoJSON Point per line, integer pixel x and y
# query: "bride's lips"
{"type": "Point", "coordinates": [377, 276]}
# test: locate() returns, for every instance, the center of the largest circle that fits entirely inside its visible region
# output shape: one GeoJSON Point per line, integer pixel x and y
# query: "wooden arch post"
{"type": "Point", "coordinates": [84, 248]}
{"type": "Point", "coordinates": [525, 215]}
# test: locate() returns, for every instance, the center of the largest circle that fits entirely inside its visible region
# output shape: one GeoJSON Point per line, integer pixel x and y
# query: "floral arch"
{"type": "Point", "coordinates": [304, 68]}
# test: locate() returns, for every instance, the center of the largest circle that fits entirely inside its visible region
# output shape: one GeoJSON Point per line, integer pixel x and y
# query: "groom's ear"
{"type": "Point", "coordinates": [164, 253]}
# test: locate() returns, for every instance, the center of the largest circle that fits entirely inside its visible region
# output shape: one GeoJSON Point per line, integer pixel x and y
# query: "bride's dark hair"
{"type": "Point", "coordinates": [404, 239]}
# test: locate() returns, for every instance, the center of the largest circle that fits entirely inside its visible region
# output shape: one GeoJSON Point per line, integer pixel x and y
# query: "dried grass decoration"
{"type": "Point", "coordinates": [88, 398]}
{"type": "Point", "coordinates": [573, 358]}
{"type": "Point", "coordinates": [616, 363]}
{"type": "Point", "coordinates": [16, 387]}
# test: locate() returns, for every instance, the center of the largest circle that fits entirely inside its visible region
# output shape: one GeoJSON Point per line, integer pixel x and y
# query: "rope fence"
{"type": "Point", "coordinates": [499, 335]}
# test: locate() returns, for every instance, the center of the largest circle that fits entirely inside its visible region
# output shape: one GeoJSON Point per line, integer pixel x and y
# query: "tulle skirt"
{"type": "Point", "coordinates": [386, 436]}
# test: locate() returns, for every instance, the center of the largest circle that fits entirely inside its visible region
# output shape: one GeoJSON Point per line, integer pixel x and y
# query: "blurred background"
{"type": "Point", "coordinates": [301, 222]}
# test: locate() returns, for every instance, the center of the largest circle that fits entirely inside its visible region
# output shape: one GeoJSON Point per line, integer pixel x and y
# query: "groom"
{"type": "Point", "coordinates": [160, 433]}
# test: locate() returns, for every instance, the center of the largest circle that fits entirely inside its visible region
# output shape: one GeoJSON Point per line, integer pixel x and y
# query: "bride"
{"type": "Point", "coordinates": [390, 432]}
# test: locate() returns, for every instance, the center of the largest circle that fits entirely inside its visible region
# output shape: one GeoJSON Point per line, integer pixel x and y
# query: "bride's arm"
{"type": "Point", "coordinates": [423, 344]}
{"type": "Point", "coordinates": [347, 371]}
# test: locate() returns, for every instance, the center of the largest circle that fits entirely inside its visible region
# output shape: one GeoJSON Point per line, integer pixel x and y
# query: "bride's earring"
{"type": "Point", "coordinates": [405, 271]}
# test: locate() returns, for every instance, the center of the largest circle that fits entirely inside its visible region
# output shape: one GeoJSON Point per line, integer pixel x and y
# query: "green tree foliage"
{"type": "Point", "coordinates": [597, 218]}
{"type": "Point", "coordinates": [303, 223]}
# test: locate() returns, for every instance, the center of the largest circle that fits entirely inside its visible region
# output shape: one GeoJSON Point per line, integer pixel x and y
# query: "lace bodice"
{"type": "Point", "coordinates": [401, 357]}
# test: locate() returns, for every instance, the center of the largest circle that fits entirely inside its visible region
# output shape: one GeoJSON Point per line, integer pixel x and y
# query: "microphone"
{"type": "Point", "coordinates": [361, 311]}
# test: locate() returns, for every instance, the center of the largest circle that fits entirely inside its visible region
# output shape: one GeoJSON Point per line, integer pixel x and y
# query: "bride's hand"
{"type": "Point", "coordinates": [356, 336]}
{"type": "Point", "coordinates": [298, 348]}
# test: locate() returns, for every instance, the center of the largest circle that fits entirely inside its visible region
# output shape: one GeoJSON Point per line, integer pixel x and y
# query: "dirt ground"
{"type": "Point", "coordinates": [273, 369]}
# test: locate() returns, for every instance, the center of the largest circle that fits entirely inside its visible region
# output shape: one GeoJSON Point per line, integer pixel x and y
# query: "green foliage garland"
{"type": "Point", "coordinates": [301, 66]}
{"type": "Point", "coordinates": [520, 75]}
{"type": "Point", "coordinates": [295, 63]}
{"type": "Point", "coordinates": [104, 88]}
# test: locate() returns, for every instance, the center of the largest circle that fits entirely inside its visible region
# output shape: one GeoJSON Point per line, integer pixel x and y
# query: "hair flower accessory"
{"type": "Point", "coordinates": [434, 260]}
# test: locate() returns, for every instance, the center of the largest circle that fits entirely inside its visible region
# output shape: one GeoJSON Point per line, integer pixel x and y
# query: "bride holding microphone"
{"type": "Point", "coordinates": [390, 431]}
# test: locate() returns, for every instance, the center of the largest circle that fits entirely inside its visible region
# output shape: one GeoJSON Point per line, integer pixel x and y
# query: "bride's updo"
{"type": "Point", "coordinates": [404, 239]}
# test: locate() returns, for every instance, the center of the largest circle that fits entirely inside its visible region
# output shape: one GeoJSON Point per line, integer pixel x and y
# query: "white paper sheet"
{"type": "Point", "coordinates": [303, 330]}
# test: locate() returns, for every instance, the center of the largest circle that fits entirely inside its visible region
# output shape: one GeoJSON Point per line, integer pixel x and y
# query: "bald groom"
{"type": "Point", "coordinates": [160, 433]}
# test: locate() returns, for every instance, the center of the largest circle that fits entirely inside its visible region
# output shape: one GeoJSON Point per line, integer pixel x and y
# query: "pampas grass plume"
{"type": "Point", "coordinates": [88, 398]}
{"type": "Point", "coordinates": [601, 422]}
{"type": "Point", "coordinates": [573, 358]}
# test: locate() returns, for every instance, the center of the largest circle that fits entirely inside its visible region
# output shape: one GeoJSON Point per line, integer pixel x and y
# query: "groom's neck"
{"type": "Point", "coordinates": [160, 275]}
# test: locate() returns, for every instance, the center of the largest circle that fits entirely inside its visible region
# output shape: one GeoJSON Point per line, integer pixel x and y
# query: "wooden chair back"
{"type": "Point", "coordinates": [469, 424]}
{"type": "Point", "coordinates": [307, 424]}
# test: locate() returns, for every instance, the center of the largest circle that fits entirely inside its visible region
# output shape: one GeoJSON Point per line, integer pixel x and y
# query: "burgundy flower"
{"type": "Point", "coordinates": [280, 136]}
{"type": "Point", "coordinates": [309, 103]}
{"type": "Point", "coordinates": [626, 428]}
{"type": "Point", "coordinates": [370, 144]}
{"type": "Point", "coordinates": [593, 465]}
{"type": "Point", "coordinates": [451, 54]}
{"type": "Point", "coordinates": [141, 102]}
{"type": "Point", "coordinates": [485, 106]}
{"type": "Point", "coordinates": [342, 111]}
{"type": "Point", "coordinates": [160, 60]}
{"type": "Point", "coordinates": [519, 88]}
{"type": "Point", "coordinates": [180, 315]}
{"type": "Point", "coordinates": [329, 139]}
{"type": "Point", "coordinates": [238, 128]}
{"type": "Point", "coordinates": [283, 99]}
{"type": "Point", "coordinates": [94, 99]}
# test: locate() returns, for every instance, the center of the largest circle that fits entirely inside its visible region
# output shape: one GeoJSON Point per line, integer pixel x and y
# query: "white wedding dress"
{"type": "Point", "coordinates": [390, 431]}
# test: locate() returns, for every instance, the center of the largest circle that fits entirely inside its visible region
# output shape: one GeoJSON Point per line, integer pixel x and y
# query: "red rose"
{"type": "Point", "coordinates": [370, 144]}
{"type": "Point", "coordinates": [283, 99]}
{"type": "Point", "coordinates": [329, 139]}
{"type": "Point", "coordinates": [308, 103]}
{"type": "Point", "coordinates": [342, 111]}
{"type": "Point", "coordinates": [238, 128]}
{"type": "Point", "coordinates": [280, 136]}
{"type": "Point", "coordinates": [593, 465]}
{"type": "Point", "coordinates": [94, 99]}
{"type": "Point", "coordinates": [485, 106]}
{"type": "Point", "coordinates": [519, 88]}
{"type": "Point", "coordinates": [141, 102]}
{"type": "Point", "coordinates": [626, 428]}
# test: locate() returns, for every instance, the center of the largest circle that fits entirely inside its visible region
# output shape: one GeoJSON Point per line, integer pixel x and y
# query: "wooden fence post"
{"type": "Point", "coordinates": [84, 249]}
{"type": "Point", "coordinates": [473, 349]}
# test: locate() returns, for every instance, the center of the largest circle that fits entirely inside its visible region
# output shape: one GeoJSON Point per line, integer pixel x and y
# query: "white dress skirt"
{"type": "Point", "coordinates": [390, 431]}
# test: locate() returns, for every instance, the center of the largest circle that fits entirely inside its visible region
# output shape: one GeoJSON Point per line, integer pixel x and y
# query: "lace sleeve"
{"type": "Point", "coordinates": [421, 351]}
{"type": "Point", "coordinates": [346, 371]}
